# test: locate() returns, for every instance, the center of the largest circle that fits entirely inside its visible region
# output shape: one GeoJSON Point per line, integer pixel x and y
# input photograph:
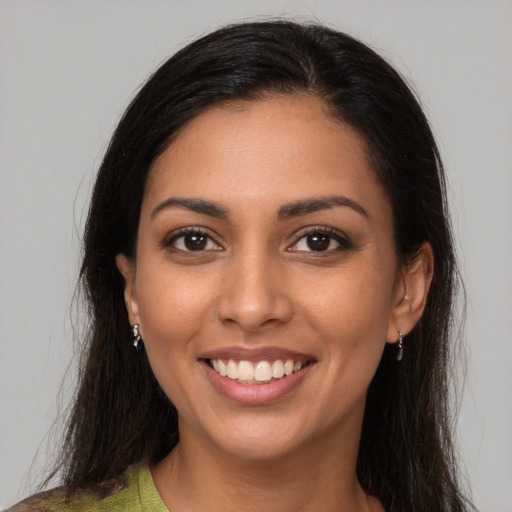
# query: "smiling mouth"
{"type": "Point", "coordinates": [261, 372]}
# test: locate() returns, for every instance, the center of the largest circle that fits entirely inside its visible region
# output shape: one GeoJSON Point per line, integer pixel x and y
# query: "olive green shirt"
{"type": "Point", "coordinates": [134, 491]}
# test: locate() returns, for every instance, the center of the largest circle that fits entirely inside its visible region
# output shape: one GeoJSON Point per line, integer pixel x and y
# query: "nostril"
{"type": "Point", "coordinates": [252, 296]}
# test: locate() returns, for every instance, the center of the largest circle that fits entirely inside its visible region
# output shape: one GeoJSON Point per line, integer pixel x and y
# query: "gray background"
{"type": "Point", "coordinates": [67, 69]}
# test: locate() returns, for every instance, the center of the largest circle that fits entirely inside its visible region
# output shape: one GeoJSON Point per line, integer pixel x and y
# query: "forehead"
{"type": "Point", "coordinates": [279, 148]}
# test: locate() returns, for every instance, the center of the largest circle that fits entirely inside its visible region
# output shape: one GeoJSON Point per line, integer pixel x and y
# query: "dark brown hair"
{"type": "Point", "coordinates": [120, 414]}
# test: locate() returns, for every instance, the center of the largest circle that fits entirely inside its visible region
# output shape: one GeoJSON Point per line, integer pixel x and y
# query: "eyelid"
{"type": "Point", "coordinates": [174, 235]}
{"type": "Point", "coordinates": [338, 235]}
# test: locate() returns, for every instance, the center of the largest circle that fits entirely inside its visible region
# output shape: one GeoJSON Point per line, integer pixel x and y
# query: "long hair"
{"type": "Point", "coordinates": [120, 414]}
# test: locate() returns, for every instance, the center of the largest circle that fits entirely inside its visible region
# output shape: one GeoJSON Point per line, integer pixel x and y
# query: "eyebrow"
{"type": "Point", "coordinates": [195, 205]}
{"type": "Point", "coordinates": [294, 209]}
{"type": "Point", "coordinates": [315, 204]}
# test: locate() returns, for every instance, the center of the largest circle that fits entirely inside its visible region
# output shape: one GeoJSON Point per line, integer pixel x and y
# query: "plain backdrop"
{"type": "Point", "coordinates": [67, 70]}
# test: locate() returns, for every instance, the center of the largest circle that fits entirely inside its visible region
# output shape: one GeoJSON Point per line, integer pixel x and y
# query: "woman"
{"type": "Point", "coordinates": [270, 271]}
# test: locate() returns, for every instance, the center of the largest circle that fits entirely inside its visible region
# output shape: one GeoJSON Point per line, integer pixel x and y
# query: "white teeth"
{"type": "Point", "coordinates": [232, 370]}
{"type": "Point", "coordinates": [222, 368]}
{"type": "Point", "coordinates": [278, 369]}
{"type": "Point", "coordinates": [262, 371]}
{"type": "Point", "coordinates": [245, 370]}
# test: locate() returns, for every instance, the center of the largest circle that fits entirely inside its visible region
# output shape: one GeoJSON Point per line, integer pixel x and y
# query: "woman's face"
{"type": "Point", "coordinates": [265, 247]}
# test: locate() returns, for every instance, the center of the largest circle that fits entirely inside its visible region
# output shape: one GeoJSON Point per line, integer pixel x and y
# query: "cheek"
{"type": "Point", "coordinates": [350, 312]}
{"type": "Point", "coordinates": [349, 298]}
{"type": "Point", "coordinates": [172, 314]}
{"type": "Point", "coordinates": [173, 307]}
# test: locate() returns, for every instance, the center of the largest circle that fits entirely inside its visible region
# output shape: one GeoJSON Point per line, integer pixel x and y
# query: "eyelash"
{"type": "Point", "coordinates": [191, 230]}
{"type": "Point", "coordinates": [333, 234]}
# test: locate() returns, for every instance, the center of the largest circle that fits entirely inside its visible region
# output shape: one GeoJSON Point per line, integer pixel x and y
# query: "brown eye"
{"type": "Point", "coordinates": [194, 241]}
{"type": "Point", "coordinates": [318, 242]}
{"type": "Point", "coordinates": [321, 240]}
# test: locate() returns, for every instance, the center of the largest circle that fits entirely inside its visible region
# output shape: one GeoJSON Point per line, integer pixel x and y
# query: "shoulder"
{"type": "Point", "coordinates": [48, 501]}
{"type": "Point", "coordinates": [119, 494]}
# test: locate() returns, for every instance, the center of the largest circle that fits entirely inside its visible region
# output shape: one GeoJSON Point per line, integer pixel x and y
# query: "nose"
{"type": "Point", "coordinates": [253, 294]}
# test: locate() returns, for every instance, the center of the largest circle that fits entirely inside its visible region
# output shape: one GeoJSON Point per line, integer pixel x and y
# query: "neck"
{"type": "Point", "coordinates": [320, 476]}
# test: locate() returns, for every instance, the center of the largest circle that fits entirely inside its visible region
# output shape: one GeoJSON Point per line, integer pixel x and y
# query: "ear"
{"type": "Point", "coordinates": [411, 293]}
{"type": "Point", "coordinates": [126, 266]}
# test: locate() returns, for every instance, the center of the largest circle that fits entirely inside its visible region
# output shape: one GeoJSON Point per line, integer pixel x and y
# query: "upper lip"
{"type": "Point", "coordinates": [256, 354]}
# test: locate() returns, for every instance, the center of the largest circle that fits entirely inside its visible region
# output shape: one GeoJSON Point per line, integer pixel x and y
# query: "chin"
{"type": "Point", "coordinates": [257, 439]}
{"type": "Point", "coordinates": [259, 448]}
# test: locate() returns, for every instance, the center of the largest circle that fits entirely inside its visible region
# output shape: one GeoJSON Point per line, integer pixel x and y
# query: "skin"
{"type": "Point", "coordinates": [257, 283]}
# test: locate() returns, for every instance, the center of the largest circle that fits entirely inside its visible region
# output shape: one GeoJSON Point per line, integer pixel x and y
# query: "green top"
{"type": "Point", "coordinates": [133, 491]}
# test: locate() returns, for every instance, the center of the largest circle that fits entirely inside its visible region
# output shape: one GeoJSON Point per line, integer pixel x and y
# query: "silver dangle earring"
{"type": "Point", "coordinates": [400, 347]}
{"type": "Point", "coordinates": [137, 339]}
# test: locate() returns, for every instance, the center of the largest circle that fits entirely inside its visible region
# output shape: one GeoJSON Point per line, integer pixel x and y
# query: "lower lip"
{"type": "Point", "coordinates": [256, 394]}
